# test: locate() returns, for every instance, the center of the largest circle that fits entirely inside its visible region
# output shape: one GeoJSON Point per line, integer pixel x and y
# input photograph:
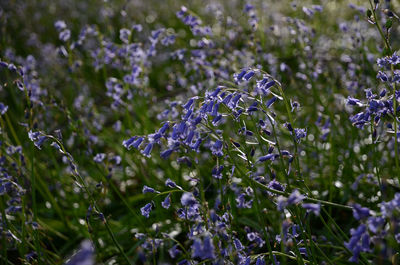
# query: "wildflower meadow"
{"type": "Point", "coordinates": [199, 132]}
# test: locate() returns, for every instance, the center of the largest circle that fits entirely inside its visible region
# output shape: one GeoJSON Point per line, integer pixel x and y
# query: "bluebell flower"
{"type": "Point", "coordinates": [239, 76]}
{"type": "Point", "coordinates": [215, 92]}
{"type": "Point", "coordinates": [253, 107]}
{"type": "Point", "coordinates": [397, 237]}
{"type": "Point", "coordinates": [313, 207]}
{"type": "Point", "coordinates": [295, 197]}
{"type": "Point", "coordinates": [300, 133]}
{"type": "Point", "coordinates": [270, 101]}
{"type": "Point", "coordinates": [145, 210]}
{"type": "Point", "coordinates": [147, 189]}
{"type": "Point", "coordinates": [37, 138]}
{"type": "Point", "coordinates": [353, 101]}
{"type": "Point", "coordinates": [137, 27]}
{"type": "Point", "coordinates": [188, 199]}
{"type": "Point", "coordinates": [85, 255]}
{"type": "Point", "coordinates": [375, 223]}
{"type": "Point", "coordinates": [354, 243]}
{"type": "Point", "coordinates": [227, 99]}
{"type": "Point", "coordinates": [303, 251]}
{"type": "Point", "coordinates": [99, 157]}
{"type": "Point", "coordinates": [171, 184]}
{"type": "Point", "coordinates": [234, 101]}
{"type": "Point", "coordinates": [288, 126]}
{"type": "Point", "coordinates": [255, 237]}
{"type": "Point", "coordinates": [309, 12]}
{"type": "Point", "coordinates": [388, 209]}
{"type": "Point", "coordinates": [203, 249]}
{"type": "Point", "coordinates": [137, 142]}
{"type": "Point", "coordinates": [166, 153]}
{"type": "Point", "coordinates": [238, 245]}
{"type": "Point", "coordinates": [217, 120]}
{"type": "Point", "coordinates": [382, 76]}
{"type": "Point", "coordinates": [60, 25]}
{"type": "Point", "coordinates": [216, 148]}
{"type": "Point", "coordinates": [65, 35]}
{"type": "Point", "coordinates": [360, 212]}
{"type": "Point", "coordinates": [124, 35]}
{"type": "Point", "coordinates": [295, 105]}
{"type": "Point", "coordinates": [260, 261]}
{"type": "Point", "coordinates": [267, 157]}
{"type": "Point", "coordinates": [189, 104]}
{"type": "Point", "coordinates": [167, 202]}
{"type": "Point", "coordinates": [174, 252]}
{"type": "Point", "coordinates": [249, 75]}
{"type": "Point", "coordinates": [241, 201]}
{"type": "Point", "coordinates": [3, 108]}
{"type": "Point", "coordinates": [274, 184]}
{"type": "Point", "coordinates": [244, 259]}
{"type": "Point", "coordinates": [147, 150]}
{"type": "Point", "coordinates": [217, 172]}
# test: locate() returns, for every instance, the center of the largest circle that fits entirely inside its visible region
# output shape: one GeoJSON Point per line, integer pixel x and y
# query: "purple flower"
{"type": "Point", "coordinates": [65, 35]}
{"type": "Point", "coordinates": [60, 25]}
{"type": "Point", "coordinates": [256, 238]}
{"type": "Point", "coordinates": [217, 172]}
{"type": "Point", "coordinates": [188, 199]}
{"type": "Point", "coordinates": [145, 210]}
{"type": "Point", "coordinates": [216, 148]}
{"type": "Point", "coordinates": [147, 150]}
{"type": "Point", "coordinates": [375, 223]}
{"type": "Point", "coordinates": [271, 101]}
{"type": "Point", "coordinates": [99, 157]}
{"type": "Point", "coordinates": [303, 251]}
{"type": "Point", "coordinates": [249, 75]}
{"type": "Point", "coordinates": [3, 108]}
{"type": "Point", "coordinates": [360, 212]}
{"type": "Point", "coordinates": [260, 261]}
{"type": "Point", "coordinates": [167, 202]}
{"type": "Point", "coordinates": [174, 251]}
{"type": "Point", "coordinates": [203, 249]}
{"type": "Point", "coordinates": [274, 184]}
{"type": "Point", "coordinates": [128, 143]}
{"type": "Point", "coordinates": [147, 189]}
{"type": "Point", "coordinates": [354, 243]}
{"type": "Point", "coordinates": [124, 35]}
{"type": "Point", "coordinates": [241, 201]}
{"type": "Point", "coordinates": [268, 157]}
{"type": "Point", "coordinates": [353, 101]}
{"type": "Point", "coordinates": [300, 133]}
{"type": "Point", "coordinates": [37, 138]}
{"type": "Point", "coordinates": [295, 197]}
{"type": "Point", "coordinates": [238, 245]}
{"type": "Point", "coordinates": [239, 76]}
{"type": "Point", "coordinates": [84, 256]}
{"type": "Point", "coordinates": [188, 104]}
{"type": "Point", "coordinates": [313, 207]}
{"type": "Point", "coordinates": [169, 183]}
{"type": "Point", "coordinates": [397, 237]}
{"type": "Point", "coordinates": [137, 142]}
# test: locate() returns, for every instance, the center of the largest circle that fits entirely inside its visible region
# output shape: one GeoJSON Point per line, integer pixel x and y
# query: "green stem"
{"type": "Point", "coordinates": [34, 206]}
{"type": "Point", "coordinates": [93, 201]}
{"type": "Point", "coordinates": [389, 49]}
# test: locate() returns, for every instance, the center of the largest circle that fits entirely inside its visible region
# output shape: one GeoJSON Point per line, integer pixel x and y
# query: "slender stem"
{"type": "Point", "coordinates": [34, 206]}
{"type": "Point", "coordinates": [277, 253]}
{"type": "Point", "coordinates": [260, 219]}
{"type": "Point", "coordinates": [89, 193]}
{"type": "Point", "coordinates": [389, 49]}
{"type": "Point", "coordinates": [4, 226]}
